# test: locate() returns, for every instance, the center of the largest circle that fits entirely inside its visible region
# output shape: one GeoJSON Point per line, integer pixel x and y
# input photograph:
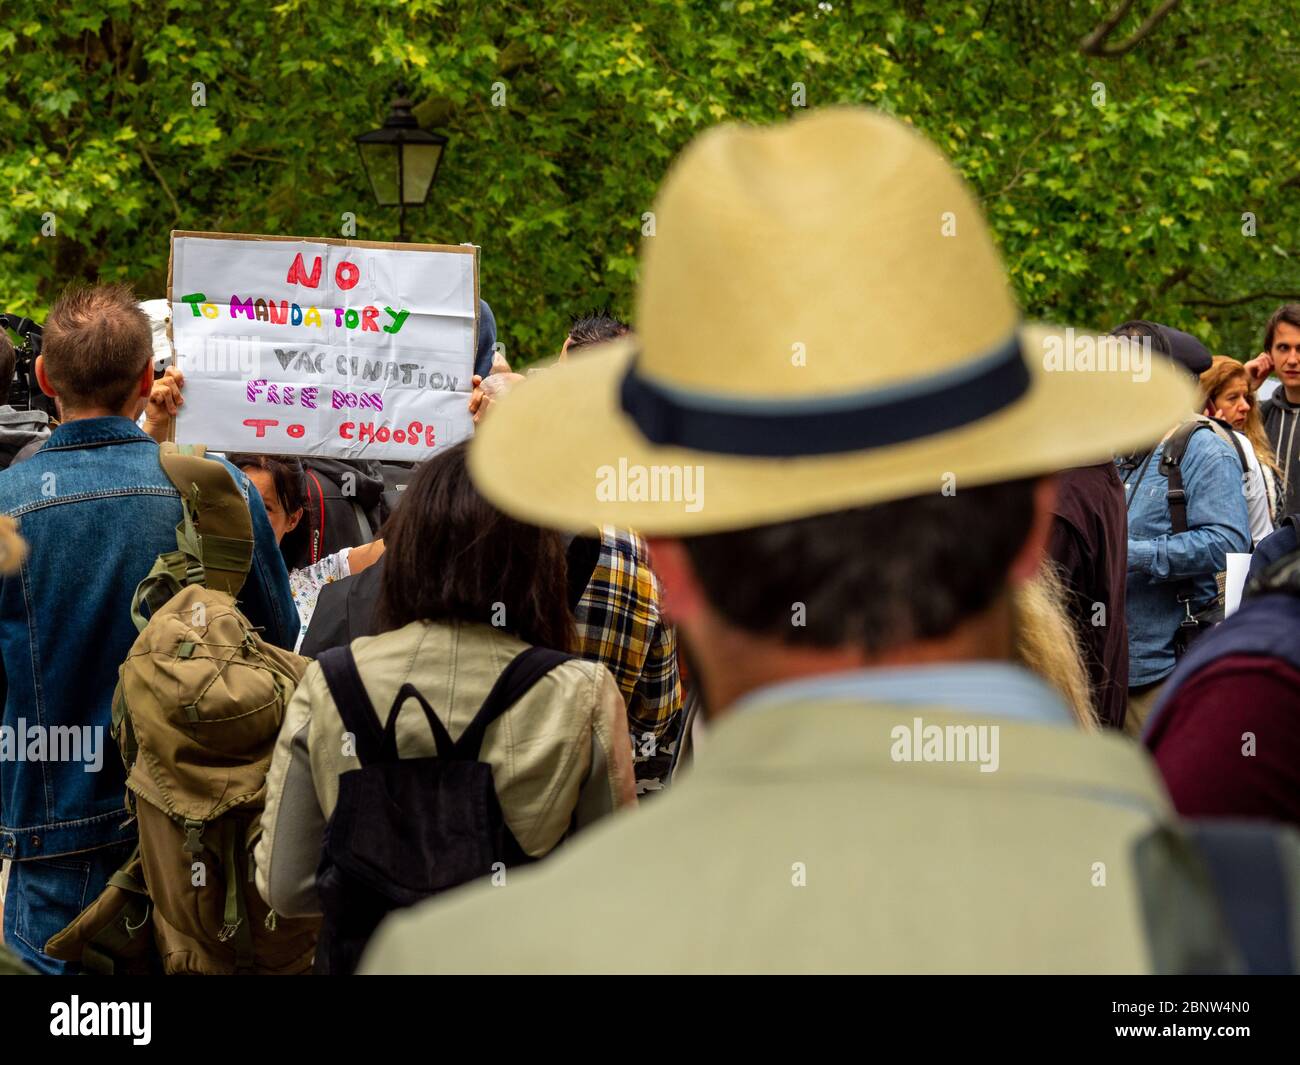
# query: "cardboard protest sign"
{"type": "Point", "coordinates": [342, 348]}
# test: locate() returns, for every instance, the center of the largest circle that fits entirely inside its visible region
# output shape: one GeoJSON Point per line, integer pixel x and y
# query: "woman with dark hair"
{"type": "Point", "coordinates": [465, 590]}
{"type": "Point", "coordinates": [280, 481]}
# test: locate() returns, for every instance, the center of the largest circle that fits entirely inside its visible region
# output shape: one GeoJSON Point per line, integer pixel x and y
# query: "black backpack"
{"type": "Point", "coordinates": [405, 829]}
{"type": "Point", "coordinates": [1220, 895]}
{"type": "Point", "coordinates": [344, 507]}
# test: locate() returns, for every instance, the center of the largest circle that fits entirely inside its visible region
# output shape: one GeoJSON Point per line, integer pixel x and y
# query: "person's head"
{"type": "Point", "coordinates": [279, 481]}
{"type": "Point", "coordinates": [1226, 393]}
{"type": "Point", "coordinates": [487, 336]}
{"type": "Point", "coordinates": [932, 573]}
{"type": "Point", "coordinates": [1151, 333]}
{"type": "Point", "coordinates": [1182, 349]}
{"type": "Point", "coordinates": [1282, 341]}
{"type": "Point", "coordinates": [451, 555]}
{"type": "Point", "coordinates": [8, 364]}
{"type": "Point", "coordinates": [96, 353]}
{"type": "Point", "coordinates": [821, 492]}
{"type": "Point", "coordinates": [1187, 351]}
{"type": "Point", "coordinates": [1139, 328]}
{"type": "Point", "coordinates": [590, 329]}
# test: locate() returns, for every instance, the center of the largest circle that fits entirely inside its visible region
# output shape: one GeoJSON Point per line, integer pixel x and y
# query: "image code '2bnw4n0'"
{"type": "Point", "coordinates": [726, 488]}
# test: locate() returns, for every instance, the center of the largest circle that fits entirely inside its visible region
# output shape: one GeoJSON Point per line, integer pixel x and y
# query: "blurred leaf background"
{"type": "Point", "coordinates": [1108, 205]}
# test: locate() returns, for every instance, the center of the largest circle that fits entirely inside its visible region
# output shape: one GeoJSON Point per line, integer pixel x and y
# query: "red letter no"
{"type": "Point", "coordinates": [346, 275]}
{"type": "Point", "coordinates": [298, 272]}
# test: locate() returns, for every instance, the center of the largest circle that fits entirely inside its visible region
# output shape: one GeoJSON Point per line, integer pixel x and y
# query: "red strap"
{"type": "Point", "coordinates": [318, 534]}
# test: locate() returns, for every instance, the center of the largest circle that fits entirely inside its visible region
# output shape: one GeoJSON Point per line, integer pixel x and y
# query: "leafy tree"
{"type": "Point", "coordinates": [1133, 156]}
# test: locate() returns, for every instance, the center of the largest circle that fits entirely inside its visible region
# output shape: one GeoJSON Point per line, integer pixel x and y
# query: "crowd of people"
{"type": "Point", "coordinates": [939, 675]}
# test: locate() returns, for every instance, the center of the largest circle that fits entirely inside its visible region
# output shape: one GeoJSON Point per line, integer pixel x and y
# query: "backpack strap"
{"type": "Point", "coordinates": [100, 952]}
{"type": "Point", "coordinates": [1228, 434]}
{"type": "Point", "coordinates": [352, 702]}
{"type": "Point", "coordinates": [235, 928]}
{"type": "Point", "coordinates": [316, 548]}
{"type": "Point", "coordinates": [374, 744]}
{"type": "Point", "coordinates": [217, 525]}
{"type": "Point", "coordinates": [1141, 462]}
{"type": "Point", "coordinates": [124, 932]}
{"type": "Point", "coordinates": [524, 670]}
{"type": "Point", "coordinates": [445, 747]}
{"type": "Point", "coordinates": [1171, 465]}
{"type": "Point", "coordinates": [171, 572]}
{"type": "Point", "coordinates": [1249, 871]}
{"type": "Point", "coordinates": [214, 539]}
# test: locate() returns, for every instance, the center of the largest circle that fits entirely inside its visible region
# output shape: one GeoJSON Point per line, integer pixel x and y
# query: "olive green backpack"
{"type": "Point", "coordinates": [198, 706]}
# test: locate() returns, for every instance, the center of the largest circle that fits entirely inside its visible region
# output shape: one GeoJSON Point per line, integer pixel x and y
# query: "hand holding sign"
{"type": "Point", "coordinates": [165, 401]}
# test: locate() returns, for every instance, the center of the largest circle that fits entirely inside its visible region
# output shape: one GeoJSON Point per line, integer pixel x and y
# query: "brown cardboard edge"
{"type": "Point", "coordinates": [341, 242]}
{"type": "Point", "coordinates": [477, 324]}
{"type": "Point", "coordinates": [171, 340]}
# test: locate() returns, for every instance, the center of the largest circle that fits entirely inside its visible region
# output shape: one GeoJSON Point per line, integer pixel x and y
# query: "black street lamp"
{"type": "Point", "coordinates": [401, 160]}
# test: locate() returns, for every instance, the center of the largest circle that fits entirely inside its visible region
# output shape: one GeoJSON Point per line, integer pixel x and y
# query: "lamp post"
{"type": "Point", "coordinates": [401, 160]}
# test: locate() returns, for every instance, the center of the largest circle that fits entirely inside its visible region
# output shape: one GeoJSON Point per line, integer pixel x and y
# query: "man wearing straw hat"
{"type": "Point", "coordinates": [838, 436]}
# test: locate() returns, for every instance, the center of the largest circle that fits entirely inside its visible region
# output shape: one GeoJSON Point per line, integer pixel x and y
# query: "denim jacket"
{"type": "Point", "coordinates": [95, 509]}
{"type": "Point", "coordinates": [1217, 525]}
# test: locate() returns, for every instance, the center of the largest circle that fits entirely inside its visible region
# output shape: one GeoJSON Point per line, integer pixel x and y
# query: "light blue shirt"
{"type": "Point", "coordinates": [995, 689]}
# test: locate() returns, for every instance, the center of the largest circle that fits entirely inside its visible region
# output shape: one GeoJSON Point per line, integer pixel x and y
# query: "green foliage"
{"type": "Point", "coordinates": [1133, 207]}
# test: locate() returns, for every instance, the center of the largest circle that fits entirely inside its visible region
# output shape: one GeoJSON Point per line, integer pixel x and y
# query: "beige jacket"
{"type": "Point", "coordinates": [559, 754]}
{"type": "Point", "coordinates": [798, 844]}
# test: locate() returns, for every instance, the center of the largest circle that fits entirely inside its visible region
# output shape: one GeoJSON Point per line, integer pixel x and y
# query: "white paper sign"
{"type": "Point", "coordinates": [347, 349]}
{"type": "Point", "coordinates": [1234, 585]}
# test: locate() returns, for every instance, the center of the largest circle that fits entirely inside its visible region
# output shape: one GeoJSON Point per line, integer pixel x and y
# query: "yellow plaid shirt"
{"type": "Point", "coordinates": [619, 624]}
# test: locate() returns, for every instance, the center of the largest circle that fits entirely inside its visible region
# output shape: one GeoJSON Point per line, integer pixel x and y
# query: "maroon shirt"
{"type": "Point", "coordinates": [1198, 746]}
{"type": "Point", "coordinates": [1089, 542]}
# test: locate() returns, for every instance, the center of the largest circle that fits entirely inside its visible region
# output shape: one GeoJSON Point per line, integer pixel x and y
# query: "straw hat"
{"type": "Point", "coordinates": [822, 323]}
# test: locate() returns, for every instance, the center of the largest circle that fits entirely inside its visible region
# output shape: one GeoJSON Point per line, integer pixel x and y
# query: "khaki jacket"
{"type": "Point", "coordinates": [798, 844]}
{"type": "Point", "coordinates": [559, 755]}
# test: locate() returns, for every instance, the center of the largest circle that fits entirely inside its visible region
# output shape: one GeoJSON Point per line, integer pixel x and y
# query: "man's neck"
{"type": "Point", "coordinates": [748, 663]}
{"type": "Point", "coordinates": [1292, 394]}
{"type": "Point", "coordinates": [91, 412]}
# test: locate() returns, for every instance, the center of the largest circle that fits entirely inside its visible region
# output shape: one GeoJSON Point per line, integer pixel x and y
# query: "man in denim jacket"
{"type": "Point", "coordinates": [96, 509]}
{"type": "Point", "coordinates": [1158, 560]}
